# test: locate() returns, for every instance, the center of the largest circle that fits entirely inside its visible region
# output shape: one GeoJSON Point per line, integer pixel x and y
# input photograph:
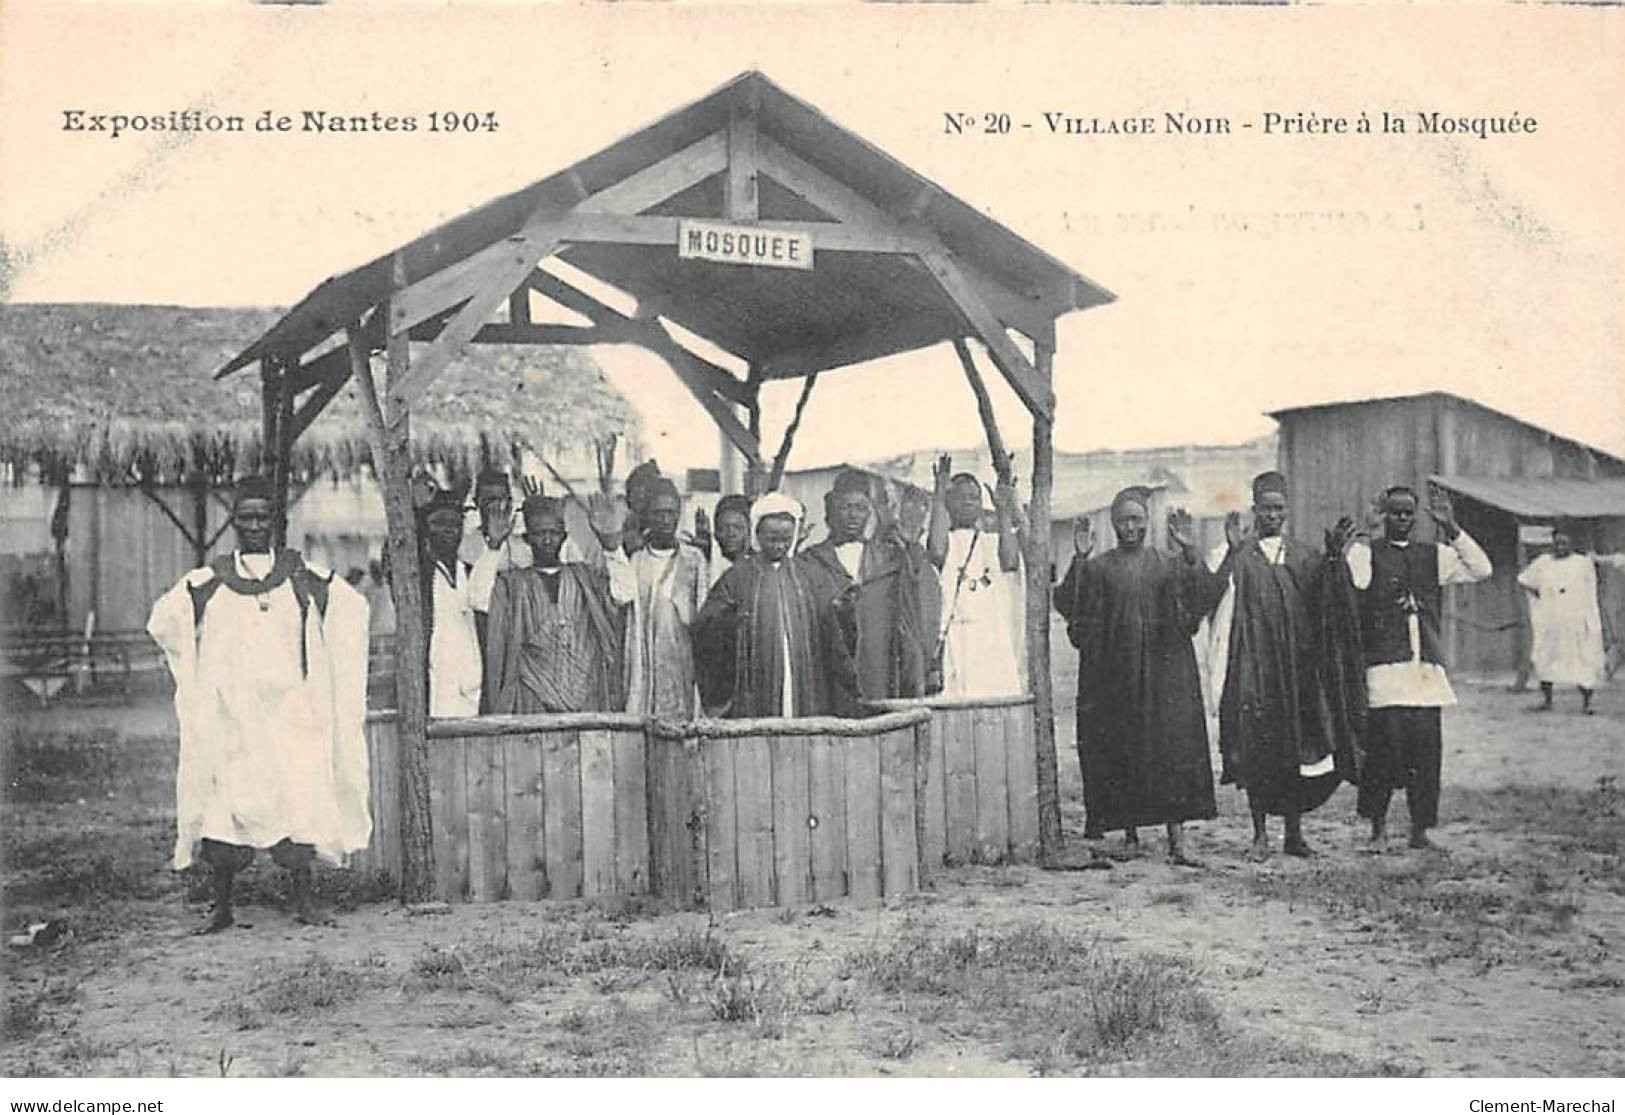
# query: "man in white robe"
{"type": "Point", "coordinates": [1564, 618]}
{"type": "Point", "coordinates": [981, 639]}
{"type": "Point", "coordinates": [269, 657]}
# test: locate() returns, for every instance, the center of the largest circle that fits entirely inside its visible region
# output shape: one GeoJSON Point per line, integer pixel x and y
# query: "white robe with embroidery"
{"type": "Point", "coordinates": [268, 751]}
{"type": "Point", "coordinates": [983, 632]}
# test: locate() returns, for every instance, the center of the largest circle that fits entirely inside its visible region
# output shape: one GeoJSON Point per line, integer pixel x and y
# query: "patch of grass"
{"type": "Point", "coordinates": [310, 986]}
{"type": "Point", "coordinates": [35, 1010]}
{"type": "Point", "coordinates": [1486, 909]}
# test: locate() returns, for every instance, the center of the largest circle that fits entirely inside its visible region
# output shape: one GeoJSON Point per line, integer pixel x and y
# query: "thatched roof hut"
{"type": "Point", "coordinates": [127, 394]}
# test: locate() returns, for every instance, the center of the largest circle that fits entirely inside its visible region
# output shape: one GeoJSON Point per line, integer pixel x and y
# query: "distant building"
{"type": "Point", "coordinates": [1504, 473]}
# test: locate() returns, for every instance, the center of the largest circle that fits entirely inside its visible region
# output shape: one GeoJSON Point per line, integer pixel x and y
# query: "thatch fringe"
{"type": "Point", "coordinates": [126, 393]}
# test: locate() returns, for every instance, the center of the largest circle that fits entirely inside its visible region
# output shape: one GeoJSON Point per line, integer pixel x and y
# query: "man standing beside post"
{"type": "Point", "coordinates": [1401, 584]}
{"type": "Point", "coordinates": [981, 586]}
{"type": "Point", "coordinates": [269, 657]}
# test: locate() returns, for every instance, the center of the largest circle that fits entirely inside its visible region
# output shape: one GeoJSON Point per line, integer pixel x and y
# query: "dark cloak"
{"type": "Point", "coordinates": [740, 626]}
{"type": "Point", "coordinates": [892, 625]}
{"type": "Point", "coordinates": [1294, 688]}
{"type": "Point", "coordinates": [1142, 732]}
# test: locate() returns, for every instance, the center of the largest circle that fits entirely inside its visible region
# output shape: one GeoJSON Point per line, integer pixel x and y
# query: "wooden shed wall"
{"type": "Point", "coordinates": [1337, 457]}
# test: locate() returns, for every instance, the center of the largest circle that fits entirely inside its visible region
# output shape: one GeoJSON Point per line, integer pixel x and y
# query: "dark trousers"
{"type": "Point", "coordinates": [232, 858]}
{"type": "Point", "coordinates": [1404, 750]}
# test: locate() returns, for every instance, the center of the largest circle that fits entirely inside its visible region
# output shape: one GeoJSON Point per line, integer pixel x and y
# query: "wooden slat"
{"type": "Point", "coordinates": [448, 808]}
{"type": "Point", "coordinates": [935, 804]}
{"type": "Point", "coordinates": [597, 813]}
{"type": "Point", "coordinates": [655, 780]}
{"type": "Point", "coordinates": [487, 820]}
{"type": "Point", "coordinates": [753, 805]}
{"type": "Point", "coordinates": [899, 838]}
{"type": "Point", "coordinates": [826, 791]}
{"type": "Point", "coordinates": [389, 792]}
{"type": "Point", "coordinates": [1021, 761]}
{"type": "Point", "coordinates": [959, 784]}
{"type": "Point", "coordinates": [631, 814]}
{"type": "Point", "coordinates": [561, 813]}
{"type": "Point", "coordinates": [527, 870]}
{"type": "Point", "coordinates": [792, 856]}
{"type": "Point", "coordinates": [992, 787]}
{"type": "Point", "coordinates": [862, 817]}
{"type": "Point", "coordinates": [698, 873]}
{"type": "Point", "coordinates": [722, 870]}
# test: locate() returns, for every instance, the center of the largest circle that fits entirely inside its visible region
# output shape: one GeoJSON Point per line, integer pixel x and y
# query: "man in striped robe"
{"type": "Point", "coordinates": [554, 632]}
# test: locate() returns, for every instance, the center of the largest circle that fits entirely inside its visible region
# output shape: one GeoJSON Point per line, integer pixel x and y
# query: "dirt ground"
{"type": "Point", "coordinates": [1505, 956]}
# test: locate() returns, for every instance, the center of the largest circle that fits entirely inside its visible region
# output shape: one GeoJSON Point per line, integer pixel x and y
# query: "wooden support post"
{"type": "Point", "coordinates": [392, 462]}
{"type": "Point", "coordinates": [754, 477]}
{"type": "Point", "coordinates": [198, 482]}
{"type": "Point", "coordinates": [1038, 559]}
{"type": "Point", "coordinates": [782, 457]}
{"type": "Point", "coordinates": [984, 407]}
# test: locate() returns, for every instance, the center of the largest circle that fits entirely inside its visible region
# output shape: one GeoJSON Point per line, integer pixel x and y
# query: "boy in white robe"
{"type": "Point", "coordinates": [269, 657]}
{"type": "Point", "coordinates": [981, 635]}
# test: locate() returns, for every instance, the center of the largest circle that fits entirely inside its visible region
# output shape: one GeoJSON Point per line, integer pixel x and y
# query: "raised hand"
{"type": "Point", "coordinates": [941, 471]}
{"type": "Point", "coordinates": [530, 486]}
{"type": "Point", "coordinates": [1339, 537]}
{"type": "Point", "coordinates": [702, 531]}
{"type": "Point", "coordinates": [1444, 514]}
{"type": "Point", "coordinates": [1236, 532]}
{"type": "Point", "coordinates": [1083, 536]}
{"type": "Point", "coordinates": [1181, 529]}
{"type": "Point", "coordinates": [606, 515]}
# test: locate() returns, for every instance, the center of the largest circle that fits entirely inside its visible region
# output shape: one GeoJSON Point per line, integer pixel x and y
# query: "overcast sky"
{"type": "Point", "coordinates": [1253, 271]}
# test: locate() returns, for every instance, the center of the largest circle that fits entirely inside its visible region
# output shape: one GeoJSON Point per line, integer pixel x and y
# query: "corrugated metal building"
{"type": "Point", "coordinates": [1503, 472]}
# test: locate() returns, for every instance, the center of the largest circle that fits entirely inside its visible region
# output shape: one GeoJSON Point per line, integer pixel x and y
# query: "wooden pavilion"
{"type": "Point", "coordinates": [747, 218]}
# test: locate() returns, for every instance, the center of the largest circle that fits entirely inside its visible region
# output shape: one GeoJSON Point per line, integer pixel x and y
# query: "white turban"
{"type": "Point", "coordinates": [777, 503]}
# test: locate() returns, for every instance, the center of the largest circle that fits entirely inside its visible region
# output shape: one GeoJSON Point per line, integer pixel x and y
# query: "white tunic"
{"type": "Point", "coordinates": [982, 629]}
{"type": "Point", "coordinates": [1418, 684]}
{"type": "Point", "coordinates": [455, 667]}
{"type": "Point", "coordinates": [270, 748]}
{"type": "Point", "coordinates": [1565, 621]}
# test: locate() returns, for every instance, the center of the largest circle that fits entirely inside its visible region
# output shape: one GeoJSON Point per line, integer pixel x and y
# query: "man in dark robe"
{"type": "Point", "coordinates": [1284, 656]}
{"type": "Point", "coordinates": [775, 618]}
{"type": "Point", "coordinates": [1142, 734]}
{"type": "Point", "coordinates": [881, 577]}
{"type": "Point", "coordinates": [554, 634]}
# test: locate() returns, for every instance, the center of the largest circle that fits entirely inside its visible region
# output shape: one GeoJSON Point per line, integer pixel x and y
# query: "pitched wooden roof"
{"type": "Point", "coordinates": [853, 306]}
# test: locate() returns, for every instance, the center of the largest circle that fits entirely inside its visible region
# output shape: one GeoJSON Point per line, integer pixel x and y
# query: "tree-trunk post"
{"type": "Point", "coordinates": [1038, 561]}
{"type": "Point", "coordinates": [411, 651]}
